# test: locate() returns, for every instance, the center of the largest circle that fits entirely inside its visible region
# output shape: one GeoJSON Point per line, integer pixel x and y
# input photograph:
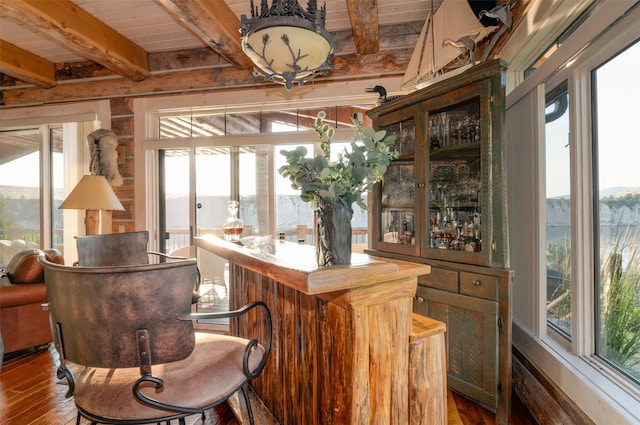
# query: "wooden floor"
{"type": "Point", "coordinates": [30, 394]}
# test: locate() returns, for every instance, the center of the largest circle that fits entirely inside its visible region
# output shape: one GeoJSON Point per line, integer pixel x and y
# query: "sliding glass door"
{"type": "Point", "coordinates": [195, 186]}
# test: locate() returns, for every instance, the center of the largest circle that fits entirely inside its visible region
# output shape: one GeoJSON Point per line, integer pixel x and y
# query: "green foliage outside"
{"type": "Point", "coordinates": [559, 261]}
{"type": "Point", "coordinates": [619, 308]}
{"type": "Point", "coordinates": [620, 301]}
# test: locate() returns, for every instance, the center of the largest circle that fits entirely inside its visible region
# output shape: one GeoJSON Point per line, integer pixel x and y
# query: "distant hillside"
{"type": "Point", "coordinates": [616, 192]}
{"type": "Point", "coordinates": [17, 192]}
{"type": "Point", "coordinates": [619, 205]}
{"type": "Point", "coordinates": [622, 192]}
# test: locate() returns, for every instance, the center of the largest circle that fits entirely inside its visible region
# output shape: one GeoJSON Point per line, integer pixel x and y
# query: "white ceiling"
{"type": "Point", "coordinates": [146, 23]}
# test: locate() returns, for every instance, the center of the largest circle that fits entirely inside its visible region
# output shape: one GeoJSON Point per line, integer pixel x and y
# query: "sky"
{"type": "Point", "coordinates": [618, 94]}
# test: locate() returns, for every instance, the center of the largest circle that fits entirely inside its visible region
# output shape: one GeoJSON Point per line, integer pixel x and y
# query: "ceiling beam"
{"type": "Point", "coordinates": [215, 23]}
{"type": "Point", "coordinates": [84, 33]}
{"type": "Point", "coordinates": [26, 66]}
{"type": "Point", "coordinates": [363, 15]}
{"type": "Point", "coordinates": [351, 67]}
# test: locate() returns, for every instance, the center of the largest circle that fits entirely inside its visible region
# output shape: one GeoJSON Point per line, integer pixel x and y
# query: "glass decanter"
{"type": "Point", "coordinates": [232, 227]}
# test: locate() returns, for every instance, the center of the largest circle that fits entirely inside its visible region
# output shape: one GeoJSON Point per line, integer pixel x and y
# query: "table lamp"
{"type": "Point", "coordinates": [94, 195]}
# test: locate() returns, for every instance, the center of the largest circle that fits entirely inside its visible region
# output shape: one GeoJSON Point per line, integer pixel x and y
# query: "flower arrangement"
{"type": "Point", "coordinates": [322, 181]}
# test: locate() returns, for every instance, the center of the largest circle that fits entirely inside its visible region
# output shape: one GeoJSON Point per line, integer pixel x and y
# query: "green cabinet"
{"type": "Point", "coordinates": [443, 202]}
{"type": "Point", "coordinates": [473, 301]}
{"type": "Point", "coordinates": [445, 196]}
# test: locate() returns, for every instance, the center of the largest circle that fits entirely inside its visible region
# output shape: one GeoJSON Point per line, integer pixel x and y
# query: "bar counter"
{"type": "Point", "coordinates": [341, 334]}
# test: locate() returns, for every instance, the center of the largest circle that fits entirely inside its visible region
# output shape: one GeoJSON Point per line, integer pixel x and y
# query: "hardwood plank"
{"type": "Point", "coordinates": [31, 394]}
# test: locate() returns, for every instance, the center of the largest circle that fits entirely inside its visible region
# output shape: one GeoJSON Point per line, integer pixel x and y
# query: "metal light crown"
{"type": "Point", "coordinates": [286, 43]}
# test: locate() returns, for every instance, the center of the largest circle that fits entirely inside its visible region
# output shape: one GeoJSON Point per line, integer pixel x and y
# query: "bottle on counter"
{"type": "Point", "coordinates": [232, 227]}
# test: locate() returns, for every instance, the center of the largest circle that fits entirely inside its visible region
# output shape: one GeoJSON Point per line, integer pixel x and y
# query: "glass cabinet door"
{"type": "Point", "coordinates": [455, 211]}
{"type": "Point", "coordinates": [462, 165]}
{"type": "Point", "coordinates": [398, 224]}
{"type": "Point", "coordinates": [444, 198]}
{"type": "Point", "coordinates": [398, 204]}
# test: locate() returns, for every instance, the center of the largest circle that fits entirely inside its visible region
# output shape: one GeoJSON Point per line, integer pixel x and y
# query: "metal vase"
{"type": "Point", "coordinates": [333, 233]}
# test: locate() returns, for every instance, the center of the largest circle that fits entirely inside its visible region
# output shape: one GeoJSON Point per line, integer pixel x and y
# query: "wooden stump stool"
{"type": "Point", "coordinates": [427, 372]}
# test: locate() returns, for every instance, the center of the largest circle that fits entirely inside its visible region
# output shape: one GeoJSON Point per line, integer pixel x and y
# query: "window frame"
{"type": "Point", "coordinates": [77, 121]}
{"type": "Point", "coordinates": [597, 388]}
{"type": "Point", "coordinates": [561, 87]}
{"type": "Point", "coordinates": [577, 74]}
{"type": "Point", "coordinates": [148, 111]}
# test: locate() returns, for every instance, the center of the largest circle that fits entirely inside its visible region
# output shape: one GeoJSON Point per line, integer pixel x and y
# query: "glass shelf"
{"type": "Point", "coordinates": [455, 216]}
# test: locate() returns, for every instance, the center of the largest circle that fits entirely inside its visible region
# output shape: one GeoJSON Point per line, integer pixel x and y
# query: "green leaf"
{"type": "Point", "coordinates": [357, 168]}
{"type": "Point", "coordinates": [379, 135]}
{"type": "Point", "coordinates": [325, 173]}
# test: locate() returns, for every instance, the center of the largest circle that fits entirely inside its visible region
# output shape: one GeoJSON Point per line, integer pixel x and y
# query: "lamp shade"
{"type": "Point", "coordinates": [277, 44]}
{"type": "Point", "coordinates": [92, 193]}
{"type": "Point", "coordinates": [287, 44]}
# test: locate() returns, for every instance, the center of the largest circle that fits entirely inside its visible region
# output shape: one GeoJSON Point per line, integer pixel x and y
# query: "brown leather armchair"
{"type": "Point", "coordinates": [23, 323]}
{"type": "Point", "coordinates": [132, 328]}
{"type": "Point", "coordinates": [122, 249]}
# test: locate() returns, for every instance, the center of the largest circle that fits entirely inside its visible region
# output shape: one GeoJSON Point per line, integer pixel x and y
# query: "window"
{"type": "Point", "coordinates": [291, 212]}
{"type": "Point", "coordinates": [602, 167]}
{"type": "Point", "coordinates": [615, 94]}
{"type": "Point", "coordinates": [43, 154]}
{"type": "Point", "coordinates": [20, 197]}
{"type": "Point", "coordinates": [57, 182]}
{"type": "Point", "coordinates": [237, 156]}
{"type": "Point", "coordinates": [558, 210]}
{"type": "Point", "coordinates": [574, 215]}
{"type": "Point", "coordinates": [21, 211]}
{"type": "Point", "coordinates": [204, 124]}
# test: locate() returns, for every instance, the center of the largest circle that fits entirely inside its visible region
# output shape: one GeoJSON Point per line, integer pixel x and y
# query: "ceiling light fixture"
{"type": "Point", "coordinates": [286, 43]}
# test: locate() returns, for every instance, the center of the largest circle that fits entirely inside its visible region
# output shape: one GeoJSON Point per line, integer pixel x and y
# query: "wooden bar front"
{"type": "Point", "coordinates": [341, 334]}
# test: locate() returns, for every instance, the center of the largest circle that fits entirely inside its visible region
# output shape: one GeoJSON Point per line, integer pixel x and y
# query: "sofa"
{"type": "Point", "coordinates": [23, 323]}
{"type": "Point", "coordinates": [10, 247]}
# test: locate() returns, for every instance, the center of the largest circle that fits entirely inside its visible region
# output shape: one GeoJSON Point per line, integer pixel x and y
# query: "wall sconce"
{"type": "Point", "coordinates": [286, 43]}
{"type": "Point", "coordinates": [95, 195]}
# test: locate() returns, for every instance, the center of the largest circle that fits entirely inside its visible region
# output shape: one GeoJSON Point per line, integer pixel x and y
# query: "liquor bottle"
{"type": "Point", "coordinates": [232, 227]}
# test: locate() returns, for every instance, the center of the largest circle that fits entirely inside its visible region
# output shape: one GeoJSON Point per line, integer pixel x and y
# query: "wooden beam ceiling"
{"type": "Point", "coordinates": [86, 34]}
{"type": "Point", "coordinates": [346, 67]}
{"type": "Point", "coordinates": [31, 68]}
{"type": "Point", "coordinates": [363, 15]}
{"type": "Point", "coordinates": [363, 51]}
{"type": "Point", "coordinates": [215, 23]}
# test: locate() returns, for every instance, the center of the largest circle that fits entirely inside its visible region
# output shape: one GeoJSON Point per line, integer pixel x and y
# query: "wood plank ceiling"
{"type": "Point", "coordinates": [54, 51]}
{"type": "Point", "coordinates": [38, 36]}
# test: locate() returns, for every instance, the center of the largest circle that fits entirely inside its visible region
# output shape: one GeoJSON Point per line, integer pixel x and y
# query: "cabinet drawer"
{"type": "Point", "coordinates": [441, 279]}
{"type": "Point", "coordinates": [479, 285]}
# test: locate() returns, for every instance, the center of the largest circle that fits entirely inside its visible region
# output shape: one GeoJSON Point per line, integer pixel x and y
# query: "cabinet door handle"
{"type": "Point", "coordinates": [420, 185]}
{"type": "Point", "coordinates": [418, 299]}
{"type": "Point", "coordinates": [476, 282]}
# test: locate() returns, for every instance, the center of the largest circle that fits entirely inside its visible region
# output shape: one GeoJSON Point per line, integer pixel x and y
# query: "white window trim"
{"type": "Point", "coordinates": [596, 388]}
{"type": "Point", "coordinates": [78, 120]}
{"type": "Point", "coordinates": [148, 110]}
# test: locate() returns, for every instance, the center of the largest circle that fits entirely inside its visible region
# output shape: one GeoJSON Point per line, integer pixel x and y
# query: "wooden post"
{"type": "Point", "coordinates": [92, 222]}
